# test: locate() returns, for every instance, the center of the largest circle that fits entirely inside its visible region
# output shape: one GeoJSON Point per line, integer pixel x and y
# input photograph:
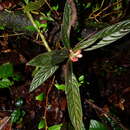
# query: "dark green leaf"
{"type": "Point", "coordinates": [2, 27]}
{"type": "Point", "coordinates": [5, 83]}
{"type": "Point", "coordinates": [17, 115]}
{"type": "Point", "coordinates": [17, 77]}
{"type": "Point", "coordinates": [65, 30]}
{"type": "Point", "coordinates": [6, 70]}
{"type": "Point", "coordinates": [105, 37]}
{"type": "Point", "coordinates": [41, 76]}
{"type": "Point", "coordinates": [49, 58]}
{"type": "Point", "coordinates": [73, 98]}
{"type": "Point", "coordinates": [114, 124]}
{"type": "Point", "coordinates": [55, 127]}
{"type": "Point", "coordinates": [34, 5]}
{"type": "Point", "coordinates": [88, 5]}
{"type": "Point", "coordinates": [41, 124]}
{"type": "Point", "coordinates": [96, 125]}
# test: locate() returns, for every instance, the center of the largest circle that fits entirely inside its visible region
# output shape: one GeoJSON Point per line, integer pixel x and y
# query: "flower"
{"type": "Point", "coordinates": [74, 56]}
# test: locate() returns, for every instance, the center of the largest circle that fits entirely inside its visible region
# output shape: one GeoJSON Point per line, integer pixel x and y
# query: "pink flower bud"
{"type": "Point", "coordinates": [74, 56]}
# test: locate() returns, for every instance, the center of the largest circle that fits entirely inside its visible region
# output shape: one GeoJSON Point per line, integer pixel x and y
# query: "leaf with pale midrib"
{"type": "Point", "coordinates": [49, 58]}
{"type": "Point", "coordinates": [65, 29]}
{"type": "Point", "coordinates": [41, 76]}
{"type": "Point", "coordinates": [96, 125]}
{"type": "Point", "coordinates": [105, 37]}
{"type": "Point", "coordinates": [73, 99]}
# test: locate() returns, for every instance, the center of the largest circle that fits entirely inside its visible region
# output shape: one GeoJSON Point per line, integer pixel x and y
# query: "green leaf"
{"type": "Point", "coordinates": [2, 27]}
{"type": "Point", "coordinates": [6, 70]}
{"type": "Point", "coordinates": [96, 125]}
{"type": "Point", "coordinates": [17, 77]}
{"type": "Point", "coordinates": [88, 5]}
{"type": "Point", "coordinates": [40, 97]}
{"type": "Point", "coordinates": [73, 98]}
{"type": "Point", "coordinates": [105, 37]}
{"type": "Point", "coordinates": [34, 5]}
{"type": "Point", "coordinates": [49, 58]}
{"type": "Point", "coordinates": [43, 26]}
{"type": "Point", "coordinates": [46, 18]}
{"type": "Point", "coordinates": [30, 28]}
{"type": "Point", "coordinates": [114, 124]}
{"type": "Point", "coordinates": [55, 8]}
{"type": "Point", "coordinates": [65, 29]}
{"type": "Point", "coordinates": [55, 127]}
{"type": "Point", "coordinates": [81, 78]}
{"type": "Point", "coordinates": [41, 124]}
{"type": "Point", "coordinates": [26, 1]}
{"type": "Point", "coordinates": [60, 87]}
{"type": "Point", "coordinates": [41, 76]}
{"type": "Point", "coordinates": [17, 115]}
{"type": "Point", "coordinates": [5, 83]}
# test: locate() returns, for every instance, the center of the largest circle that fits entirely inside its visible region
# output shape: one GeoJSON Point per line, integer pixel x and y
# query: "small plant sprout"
{"type": "Point", "coordinates": [17, 116]}
{"type": "Point", "coordinates": [41, 124]}
{"type": "Point", "coordinates": [40, 97]}
{"type": "Point", "coordinates": [60, 87]}
{"type": "Point", "coordinates": [74, 56]}
{"type": "Point", "coordinates": [55, 8]}
{"type": "Point", "coordinates": [8, 76]}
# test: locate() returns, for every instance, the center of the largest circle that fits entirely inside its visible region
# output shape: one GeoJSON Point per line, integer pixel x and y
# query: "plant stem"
{"type": "Point", "coordinates": [46, 102]}
{"type": "Point", "coordinates": [39, 32]}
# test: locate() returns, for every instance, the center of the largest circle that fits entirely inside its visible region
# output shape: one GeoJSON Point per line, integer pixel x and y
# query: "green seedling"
{"type": "Point", "coordinates": [7, 75]}
{"type": "Point", "coordinates": [41, 26]}
{"type": "Point", "coordinates": [96, 125]}
{"type": "Point", "coordinates": [2, 27]}
{"type": "Point", "coordinates": [60, 87]}
{"type": "Point", "coordinates": [55, 127]}
{"type": "Point", "coordinates": [41, 124]}
{"type": "Point", "coordinates": [81, 79]}
{"type": "Point", "coordinates": [40, 97]}
{"type": "Point", "coordinates": [55, 8]}
{"type": "Point", "coordinates": [17, 116]}
{"type": "Point", "coordinates": [47, 16]}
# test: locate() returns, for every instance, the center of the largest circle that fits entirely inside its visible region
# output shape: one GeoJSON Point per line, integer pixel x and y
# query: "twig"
{"type": "Point", "coordinates": [46, 103]}
{"type": "Point", "coordinates": [105, 113]}
{"type": "Point", "coordinates": [39, 32]}
{"type": "Point", "coordinates": [5, 121]}
{"type": "Point", "coordinates": [11, 35]}
{"type": "Point", "coordinates": [93, 15]}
